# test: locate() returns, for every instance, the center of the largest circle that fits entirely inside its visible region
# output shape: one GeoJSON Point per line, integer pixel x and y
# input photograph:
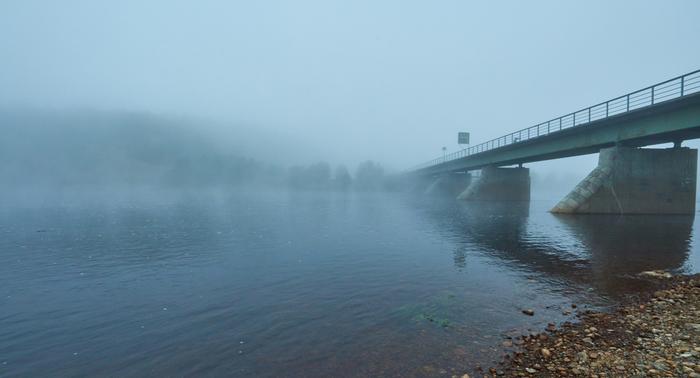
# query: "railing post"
{"type": "Point", "coordinates": [682, 84]}
{"type": "Point", "coordinates": [589, 115]}
{"type": "Point", "coordinates": [628, 103]}
{"type": "Point", "coordinates": [652, 95]}
{"type": "Point", "coordinates": [559, 123]}
{"type": "Point", "coordinates": [548, 126]}
{"type": "Point", "coordinates": [574, 124]}
{"type": "Point", "coordinates": [606, 109]}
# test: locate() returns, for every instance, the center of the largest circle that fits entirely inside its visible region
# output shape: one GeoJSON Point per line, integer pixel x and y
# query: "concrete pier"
{"type": "Point", "coordinates": [637, 181]}
{"type": "Point", "coordinates": [449, 184]}
{"type": "Point", "coordinates": [499, 184]}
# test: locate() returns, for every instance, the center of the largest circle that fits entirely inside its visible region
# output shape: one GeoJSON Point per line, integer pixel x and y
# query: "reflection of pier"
{"type": "Point", "coordinates": [629, 245]}
{"type": "Point", "coordinates": [595, 250]}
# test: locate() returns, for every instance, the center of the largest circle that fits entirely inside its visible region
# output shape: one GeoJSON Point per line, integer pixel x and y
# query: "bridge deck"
{"type": "Point", "coordinates": [665, 112]}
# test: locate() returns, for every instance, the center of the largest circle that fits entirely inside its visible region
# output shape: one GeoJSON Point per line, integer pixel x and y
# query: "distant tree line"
{"type": "Point", "coordinates": [368, 176]}
{"type": "Point", "coordinates": [122, 150]}
{"type": "Point", "coordinates": [115, 150]}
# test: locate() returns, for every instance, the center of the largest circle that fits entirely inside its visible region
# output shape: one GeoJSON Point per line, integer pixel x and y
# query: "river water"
{"type": "Point", "coordinates": [276, 283]}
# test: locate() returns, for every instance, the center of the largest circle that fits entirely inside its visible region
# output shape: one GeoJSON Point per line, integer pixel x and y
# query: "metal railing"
{"type": "Point", "coordinates": [670, 89]}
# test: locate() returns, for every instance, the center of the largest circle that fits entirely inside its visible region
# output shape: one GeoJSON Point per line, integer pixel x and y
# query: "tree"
{"type": "Point", "coordinates": [341, 178]}
{"type": "Point", "coordinates": [318, 175]}
{"type": "Point", "coordinates": [370, 176]}
{"type": "Point", "coordinates": [315, 176]}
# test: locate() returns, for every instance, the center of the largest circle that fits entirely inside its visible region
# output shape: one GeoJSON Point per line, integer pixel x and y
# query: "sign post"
{"type": "Point", "coordinates": [462, 138]}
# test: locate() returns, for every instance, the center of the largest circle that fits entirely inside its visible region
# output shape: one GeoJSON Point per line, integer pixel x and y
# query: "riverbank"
{"type": "Point", "coordinates": [655, 334]}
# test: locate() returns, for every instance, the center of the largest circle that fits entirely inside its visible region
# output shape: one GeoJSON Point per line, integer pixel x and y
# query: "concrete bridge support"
{"type": "Point", "coordinates": [499, 184]}
{"type": "Point", "coordinates": [449, 184]}
{"type": "Point", "coordinates": [637, 181]}
{"type": "Point", "coordinates": [418, 184]}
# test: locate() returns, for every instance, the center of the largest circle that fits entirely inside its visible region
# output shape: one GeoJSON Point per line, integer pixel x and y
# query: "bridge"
{"type": "Point", "coordinates": [628, 179]}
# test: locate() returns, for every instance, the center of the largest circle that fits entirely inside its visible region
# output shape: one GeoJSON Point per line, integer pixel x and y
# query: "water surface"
{"type": "Point", "coordinates": [275, 283]}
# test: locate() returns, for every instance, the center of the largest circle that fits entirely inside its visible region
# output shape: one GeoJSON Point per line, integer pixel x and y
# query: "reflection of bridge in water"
{"type": "Point", "coordinates": [600, 251]}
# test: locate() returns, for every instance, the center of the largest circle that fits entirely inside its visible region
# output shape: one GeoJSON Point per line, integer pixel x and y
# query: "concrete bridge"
{"type": "Point", "coordinates": [629, 179]}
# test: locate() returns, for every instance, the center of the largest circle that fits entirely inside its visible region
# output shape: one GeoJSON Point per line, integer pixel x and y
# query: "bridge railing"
{"type": "Point", "coordinates": [668, 90]}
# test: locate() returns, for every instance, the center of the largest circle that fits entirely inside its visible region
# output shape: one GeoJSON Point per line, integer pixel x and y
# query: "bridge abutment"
{"type": "Point", "coordinates": [636, 181]}
{"type": "Point", "coordinates": [450, 184]}
{"type": "Point", "coordinates": [499, 184]}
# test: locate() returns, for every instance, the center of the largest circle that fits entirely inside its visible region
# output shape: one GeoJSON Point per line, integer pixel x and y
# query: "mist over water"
{"type": "Point", "coordinates": [216, 188]}
{"type": "Point", "coordinates": [271, 283]}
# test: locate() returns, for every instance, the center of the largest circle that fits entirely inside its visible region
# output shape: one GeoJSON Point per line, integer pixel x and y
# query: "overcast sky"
{"type": "Point", "coordinates": [392, 81]}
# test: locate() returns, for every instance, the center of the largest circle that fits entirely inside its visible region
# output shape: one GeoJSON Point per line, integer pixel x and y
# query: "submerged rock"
{"type": "Point", "coordinates": [655, 274]}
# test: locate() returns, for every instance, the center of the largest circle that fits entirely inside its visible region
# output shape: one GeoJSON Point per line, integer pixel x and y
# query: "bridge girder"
{"type": "Point", "coordinates": [670, 121]}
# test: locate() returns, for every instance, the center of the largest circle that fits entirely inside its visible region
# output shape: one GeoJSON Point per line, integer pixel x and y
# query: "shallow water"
{"type": "Point", "coordinates": [263, 283]}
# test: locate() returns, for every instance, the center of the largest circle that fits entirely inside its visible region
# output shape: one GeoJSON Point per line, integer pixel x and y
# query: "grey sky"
{"type": "Point", "coordinates": [386, 80]}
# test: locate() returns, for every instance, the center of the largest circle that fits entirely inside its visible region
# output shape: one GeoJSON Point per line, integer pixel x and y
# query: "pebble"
{"type": "Point", "coordinates": [582, 356]}
{"type": "Point", "coordinates": [651, 336]}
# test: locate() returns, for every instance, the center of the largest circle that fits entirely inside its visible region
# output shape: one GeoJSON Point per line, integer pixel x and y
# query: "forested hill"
{"type": "Point", "coordinates": [91, 148]}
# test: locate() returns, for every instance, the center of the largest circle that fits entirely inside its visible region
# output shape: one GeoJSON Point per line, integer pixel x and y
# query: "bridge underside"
{"type": "Point", "coordinates": [672, 121]}
{"type": "Point", "coordinates": [627, 180]}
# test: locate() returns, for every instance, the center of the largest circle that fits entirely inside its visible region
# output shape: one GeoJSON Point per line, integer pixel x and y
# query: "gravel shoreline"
{"type": "Point", "coordinates": [656, 334]}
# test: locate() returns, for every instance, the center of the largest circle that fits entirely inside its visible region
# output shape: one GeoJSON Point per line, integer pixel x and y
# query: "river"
{"type": "Point", "coordinates": [276, 283]}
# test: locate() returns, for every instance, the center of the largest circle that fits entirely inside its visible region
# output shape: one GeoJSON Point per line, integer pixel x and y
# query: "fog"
{"type": "Point", "coordinates": [289, 84]}
{"type": "Point", "coordinates": [217, 188]}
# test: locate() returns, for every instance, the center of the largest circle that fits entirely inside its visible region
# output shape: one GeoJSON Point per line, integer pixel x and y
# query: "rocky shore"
{"type": "Point", "coordinates": [655, 335]}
